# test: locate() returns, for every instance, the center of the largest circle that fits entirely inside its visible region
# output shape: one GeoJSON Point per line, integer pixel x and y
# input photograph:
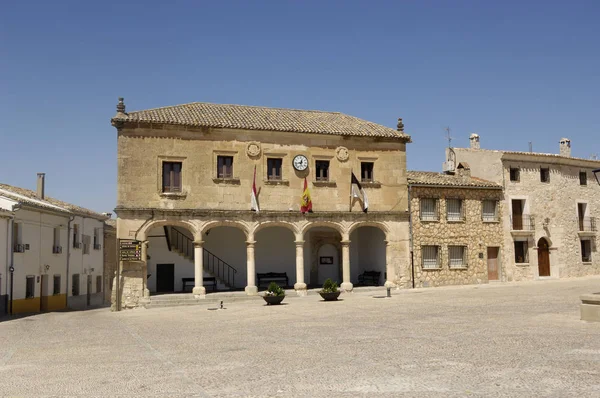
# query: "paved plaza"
{"type": "Point", "coordinates": [504, 340]}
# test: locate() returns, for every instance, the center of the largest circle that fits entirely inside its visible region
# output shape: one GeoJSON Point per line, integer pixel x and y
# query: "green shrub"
{"type": "Point", "coordinates": [330, 286]}
{"type": "Point", "coordinates": [275, 290]}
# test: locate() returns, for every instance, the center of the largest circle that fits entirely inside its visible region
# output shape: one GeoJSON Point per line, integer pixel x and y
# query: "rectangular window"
{"type": "Point", "coordinates": [56, 284]}
{"type": "Point", "coordinates": [75, 286]}
{"type": "Point", "coordinates": [582, 178]}
{"type": "Point", "coordinates": [56, 236]}
{"type": "Point", "coordinates": [224, 166]}
{"type": "Point", "coordinates": [86, 244]}
{"type": "Point", "coordinates": [97, 244]}
{"type": "Point", "coordinates": [30, 286]}
{"type": "Point", "coordinates": [545, 175]}
{"type": "Point", "coordinates": [76, 244]}
{"type": "Point", "coordinates": [521, 252]}
{"type": "Point", "coordinates": [322, 170]}
{"type": "Point", "coordinates": [430, 257]}
{"type": "Point", "coordinates": [366, 172]}
{"type": "Point", "coordinates": [98, 283]}
{"type": "Point", "coordinates": [429, 209]}
{"type": "Point", "coordinates": [586, 251]}
{"type": "Point", "coordinates": [457, 256]}
{"type": "Point", "coordinates": [454, 209]}
{"type": "Point", "coordinates": [489, 210]}
{"type": "Point", "coordinates": [171, 176]}
{"type": "Point", "coordinates": [274, 169]}
{"type": "Point", "coordinates": [515, 174]}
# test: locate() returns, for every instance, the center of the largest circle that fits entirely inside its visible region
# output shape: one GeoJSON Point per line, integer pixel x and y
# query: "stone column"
{"type": "Point", "coordinates": [251, 289]}
{"type": "Point", "coordinates": [346, 284]}
{"type": "Point", "coordinates": [389, 267]}
{"type": "Point", "coordinates": [199, 289]}
{"type": "Point", "coordinates": [146, 291]}
{"type": "Point", "coordinates": [300, 286]}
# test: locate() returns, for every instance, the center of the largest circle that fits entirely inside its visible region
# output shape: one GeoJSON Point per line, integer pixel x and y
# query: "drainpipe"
{"type": "Point", "coordinates": [71, 218]}
{"type": "Point", "coordinates": [410, 233]}
{"type": "Point", "coordinates": [9, 263]}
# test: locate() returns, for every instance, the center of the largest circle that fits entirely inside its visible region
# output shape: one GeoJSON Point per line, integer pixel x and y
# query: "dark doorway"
{"type": "Point", "coordinates": [89, 290]}
{"type": "Point", "coordinates": [543, 257]}
{"type": "Point", "coordinates": [165, 278]}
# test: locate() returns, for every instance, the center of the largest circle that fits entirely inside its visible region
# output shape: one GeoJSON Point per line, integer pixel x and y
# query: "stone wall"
{"type": "Point", "coordinates": [110, 260]}
{"type": "Point", "coordinates": [473, 233]}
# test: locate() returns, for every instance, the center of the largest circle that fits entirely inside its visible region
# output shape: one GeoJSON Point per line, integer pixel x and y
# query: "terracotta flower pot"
{"type": "Point", "coordinates": [273, 300]}
{"type": "Point", "coordinates": [332, 296]}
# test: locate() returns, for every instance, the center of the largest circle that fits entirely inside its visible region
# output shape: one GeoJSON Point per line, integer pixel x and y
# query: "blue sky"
{"type": "Point", "coordinates": [512, 71]}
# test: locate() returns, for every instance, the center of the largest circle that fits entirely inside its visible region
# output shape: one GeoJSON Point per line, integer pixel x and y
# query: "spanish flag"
{"type": "Point", "coordinates": [306, 204]}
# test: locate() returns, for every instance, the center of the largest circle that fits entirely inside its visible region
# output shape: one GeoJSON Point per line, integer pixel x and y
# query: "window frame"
{"type": "Point", "coordinates": [583, 181]}
{"type": "Point", "coordinates": [222, 172]}
{"type": "Point", "coordinates": [86, 240]}
{"type": "Point", "coordinates": [367, 175]}
{"type": "Point", "coordinates": [461, 215]}
{"type": "Point", "coordinates": [464, 257]}
{"type": "Point", "coordinates": [172, 187]}
{"type": "Point", "coordinates": [545, 175]}
{"type": "Point", "coordinates": [319, 170]}
{"type": "Point", "coordinates": [438, 263]}
{"type": "Point", "coordinates": [275, 177]}
{"type": "Point", "coordinates": [483, 214]}
{"type": "Point", "coordinates": [525, 251]}
{"type": "Point", "coordinates": [517, 174]}
{"type": "Point", "coordinates": [436, 207]}
{"type": "Point", "coordinates": [29, 294]}
{"type": "Point", "coordinates": [98, 283]}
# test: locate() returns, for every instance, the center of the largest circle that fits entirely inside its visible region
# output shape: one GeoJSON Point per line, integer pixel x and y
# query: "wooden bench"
{"type": "Point", "coordinates": [269, 277]}
{"type": "Point", "coordinates": [369, 278]}
{"type": "Point", "coordinates": [210, 280]}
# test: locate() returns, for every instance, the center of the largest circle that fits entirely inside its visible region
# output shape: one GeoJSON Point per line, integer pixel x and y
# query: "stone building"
{"type": "Point", "coordinates": [185, 179]}
{"type": "Point", "coordinates": [456, 228]}
{"type": "Point", "coordinates": [551, 205]}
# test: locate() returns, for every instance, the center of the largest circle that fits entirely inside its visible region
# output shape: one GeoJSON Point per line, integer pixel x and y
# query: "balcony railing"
{"type": "Point", "coordinates": [19, 248]}
{"type": "Point", "coordinates": [523, 222]}
{"type": "Point", "coordinates": [587, 224]}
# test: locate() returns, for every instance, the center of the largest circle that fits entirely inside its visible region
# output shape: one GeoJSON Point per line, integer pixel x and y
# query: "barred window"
{"type": "Point", "coordinates": [521, 252]}
{"type": "Point", "coordinates": [454, 209]}
{"type": "Point", "coordinates": [429, 209]}
{"type": "Point", "coordinates": [430, 257]}
{"type": "Point", "coordinates": [457, 256]}
{"type": "Point", "coordinates": [490, 210]}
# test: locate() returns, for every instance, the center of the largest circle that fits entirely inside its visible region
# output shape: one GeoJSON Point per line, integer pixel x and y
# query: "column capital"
{"type": "Point", "coordinates": [345, 242]}
{"type": "Point", "coordinates": [198, 243]}
{"type": "Point", "coordinates": [250, 243]}
{"type": "Point", "coordinates": [299, 242]}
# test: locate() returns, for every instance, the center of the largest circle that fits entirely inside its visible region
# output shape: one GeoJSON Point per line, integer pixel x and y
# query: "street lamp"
{"type": "Point", "coordinates": [597, 174]}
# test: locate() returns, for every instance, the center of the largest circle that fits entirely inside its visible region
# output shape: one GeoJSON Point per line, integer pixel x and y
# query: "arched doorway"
{"type": "Point", "coordinates": [368, 255]}
{"type": "Point", "coordinates": [543, 257]}
{"type": "Point", "coordinates": [275, 251]}
{"type": "Point", "coordinates": [323, 246]}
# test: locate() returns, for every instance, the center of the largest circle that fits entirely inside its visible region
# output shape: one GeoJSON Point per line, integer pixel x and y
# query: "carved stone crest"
{"type": "Point", "coordinates": [342, 154]}
{"type": "Point", "coordinates": [253, 149]}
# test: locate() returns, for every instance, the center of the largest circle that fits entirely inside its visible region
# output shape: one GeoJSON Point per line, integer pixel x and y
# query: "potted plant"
{"type": "Point", "coordinates": [274, 294]}
{"type": "Point", "coordinates": [330, 291]}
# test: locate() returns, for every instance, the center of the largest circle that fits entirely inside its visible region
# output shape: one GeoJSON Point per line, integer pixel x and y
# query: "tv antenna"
{"type": "Point", "coordinates": [448, 137]}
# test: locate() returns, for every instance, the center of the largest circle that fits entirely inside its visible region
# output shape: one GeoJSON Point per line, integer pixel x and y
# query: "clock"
{"type": "Point", "coordinates": [300, 162]}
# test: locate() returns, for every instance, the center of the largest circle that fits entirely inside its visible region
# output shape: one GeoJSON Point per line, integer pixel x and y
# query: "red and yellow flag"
{"type": "Point", "coordinates": [306, 203]}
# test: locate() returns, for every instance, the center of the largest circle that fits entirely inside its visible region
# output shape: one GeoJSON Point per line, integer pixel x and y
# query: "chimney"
{"type": "Point", "coordinates": [41, 185]}
{"type": "Point", "coordinates": [474, 138]}
{"type": "Point", "coordinates": [463, 170]}
{"type": "Point", "coordinates": [565, 147]}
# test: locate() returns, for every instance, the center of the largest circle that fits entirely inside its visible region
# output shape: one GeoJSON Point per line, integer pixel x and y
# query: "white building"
{"type": "Point", "coordinates": [551, 209]}
{"type": "Point", "coordinates": [54, 250]}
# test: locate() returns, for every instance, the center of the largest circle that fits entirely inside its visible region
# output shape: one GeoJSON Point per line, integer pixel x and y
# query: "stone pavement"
{"type": "Point", "coordinates": [501, 340]}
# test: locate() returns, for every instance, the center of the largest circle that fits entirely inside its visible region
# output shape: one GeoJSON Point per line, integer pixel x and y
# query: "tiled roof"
{"type": "Point", "coordinates": [200, 114]}
{"type": "Point", "coordinates": [29, 198]}
{"type": "Point", "coordinates": [549, 156]}
{"type": "Point", "coordinates": [441, 179]}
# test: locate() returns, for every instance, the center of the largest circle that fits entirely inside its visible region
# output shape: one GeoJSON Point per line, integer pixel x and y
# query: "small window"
{"type": "Point", "coordinates": [224, 166]}
{"type": "Point", "coordinates": [544, 175]}
{"type": "Point", "coordinates": [515, 174]}
{"type": "Point", "coordinates": [322, 170]}
{"type": "Point", "coordinates": [489, 210]}
{"type": "Point", "coordinates": [457, 256]}
{"type": "Point", "coordinates": [430, 257]}
{"type": "Point", "coordinates": [274, 169]}
{"type": "Point", "coordinates": [366, 172]}
{"type": "Point", "coordinates": [30, 287]}
{"type": "Point", "coordinates": [429, 209]}
{"type": "Point", "coordinates": [586, 251]}
{"type": "Point", "coordinates": [454, 210]}
{"type": "Point", "coordinates": [75, 287]}
{"type": "Point", "coordinates": [56, 284]}
{"type": "Point", "coordinates": [521, 252]}
{"type": "Point", "coordinates": [98, 283]}
{"type": "Point", "coordinates": [582, 178]}
{"type": "Point", "coordinates": [76, 236]}
{"type": "Point", "coordinates": [171, 176]}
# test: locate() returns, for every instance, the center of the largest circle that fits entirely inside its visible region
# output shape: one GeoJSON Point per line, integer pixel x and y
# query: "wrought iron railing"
{"type": "Point", "coordinates": [522, 222]}
{"type": "Point", "coordinates": [212, 263]}
{"type": "Point", "coordinates": [587, 224]}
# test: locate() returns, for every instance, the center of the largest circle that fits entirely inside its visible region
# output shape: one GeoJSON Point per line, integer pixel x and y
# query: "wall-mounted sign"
{"type": "Point", "coordinates": [325, 260]}
{"type": "Point", "coordinates": [130, 250]}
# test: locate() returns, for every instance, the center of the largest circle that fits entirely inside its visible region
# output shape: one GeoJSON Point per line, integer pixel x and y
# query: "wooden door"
{"type": "Point", "coordinates": [44, 293]}
{"type": "Point", "coordinates": [492, 262]}
{"type": "Point", "coordinates": [517, 215]}
{"type": "Point", "coordinates": [543, 257]}
{"type": "Point", "coordinates": [165, 278]}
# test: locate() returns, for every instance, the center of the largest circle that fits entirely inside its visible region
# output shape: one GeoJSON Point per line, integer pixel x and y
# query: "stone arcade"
{"type": "Point", "coordinates": [185, 177]}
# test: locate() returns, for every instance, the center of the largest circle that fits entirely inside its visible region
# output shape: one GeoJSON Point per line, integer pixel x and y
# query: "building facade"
{"type": "Point", "coordinates": [456, 228]}
{"type": "Point", "coordinates": [551, 205]}
{"type": "Point", "coordinates": [52, 249]}
{"type": "Point", "coordinates": [185, 182]}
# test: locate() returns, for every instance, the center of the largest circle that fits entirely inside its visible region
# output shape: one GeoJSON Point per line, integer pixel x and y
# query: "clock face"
{"type": "Point", "coordinates": [300, 162]}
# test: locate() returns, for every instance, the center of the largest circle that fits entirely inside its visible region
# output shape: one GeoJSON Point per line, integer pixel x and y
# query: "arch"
{"type": "Point", "coordinates": [377, 225]}
{"type": "Point", "coordinates": [269, 224]}
{"type": "Point", "coordinates": [214, 224]}
{"type": "Point", "coordinates": [339, 228]}
{"type": "Point", "coordinates": [175, 223]}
